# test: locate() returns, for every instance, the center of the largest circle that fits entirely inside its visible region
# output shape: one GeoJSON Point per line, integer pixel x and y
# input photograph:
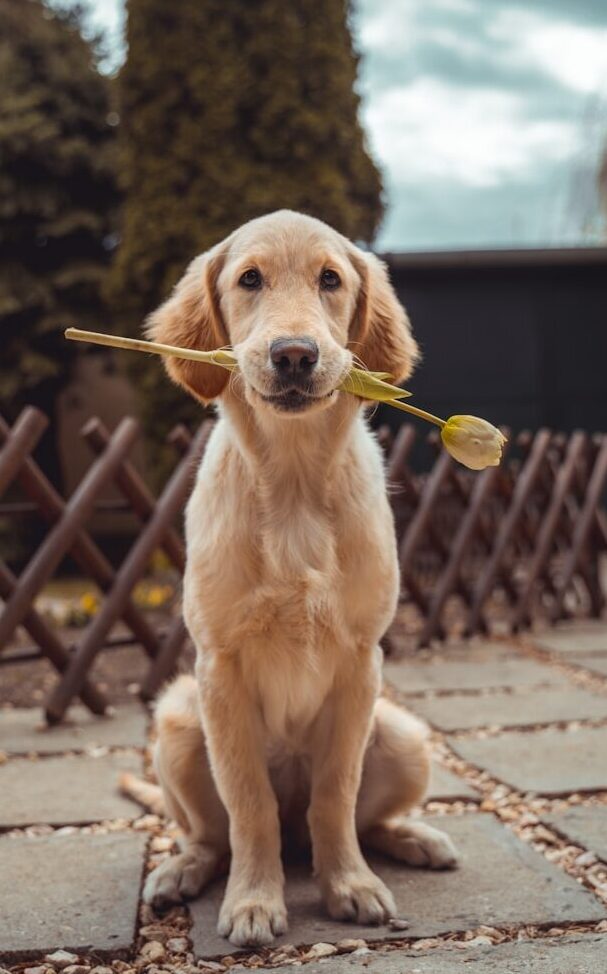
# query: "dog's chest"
{"type": "Point", "coordinates": [293, 579]}
{"type": "Point", "coordinates": [290, 684]}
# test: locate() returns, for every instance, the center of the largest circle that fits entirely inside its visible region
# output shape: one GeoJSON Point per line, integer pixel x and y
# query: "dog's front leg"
{"type": "Point", "coordinates": [350, 889]}
{"type": "Point", "coordinates": [253, 909]}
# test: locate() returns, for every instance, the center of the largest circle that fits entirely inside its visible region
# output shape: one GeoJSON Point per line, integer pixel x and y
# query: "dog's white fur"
{"type": "Point", "coordinates": [291, 580]}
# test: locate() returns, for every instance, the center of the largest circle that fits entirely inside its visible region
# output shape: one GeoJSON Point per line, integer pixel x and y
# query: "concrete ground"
{"type": "Point", "coordinates": [519, 731]}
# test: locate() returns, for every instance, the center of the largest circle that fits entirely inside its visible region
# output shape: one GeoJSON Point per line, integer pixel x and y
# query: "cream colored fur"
{"type": "Point", "coordinates": [291, 580]}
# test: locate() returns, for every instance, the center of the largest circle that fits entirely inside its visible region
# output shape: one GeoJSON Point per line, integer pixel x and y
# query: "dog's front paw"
{"type": "Point", "coordinates": [253, 920]}
{"type": "Point", "coordinates": [360, 896]}
{"type": "Point", "coordinates": [179, 878]}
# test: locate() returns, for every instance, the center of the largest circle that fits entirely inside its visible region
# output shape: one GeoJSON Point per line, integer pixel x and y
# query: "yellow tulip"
{"type": "Point", "coordinates": [473, 441]}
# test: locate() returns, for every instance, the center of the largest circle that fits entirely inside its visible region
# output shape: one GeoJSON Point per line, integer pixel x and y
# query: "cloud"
{"type": "Point", "coordinates": [424, 132]}
{"type": "Point", "coordinates": [574, 55]}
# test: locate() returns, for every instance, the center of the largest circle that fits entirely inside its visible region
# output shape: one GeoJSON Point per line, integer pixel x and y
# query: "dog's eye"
{"type": "Point", "coordinates": [329, 280]}
{"type": "Point", "coordinates": [251, 279]}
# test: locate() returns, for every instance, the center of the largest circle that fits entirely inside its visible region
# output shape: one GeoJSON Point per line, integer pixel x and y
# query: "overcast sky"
{"type": "Point", "coordinates": [486, 116]}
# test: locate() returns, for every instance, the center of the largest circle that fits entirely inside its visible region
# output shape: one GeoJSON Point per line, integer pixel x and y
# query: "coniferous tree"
{"type": "Point", "coordinates": [231, 109]}
{"type": "Point", "coordinates": [57, 197]}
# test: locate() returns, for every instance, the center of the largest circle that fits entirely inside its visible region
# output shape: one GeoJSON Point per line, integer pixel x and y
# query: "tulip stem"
{"type": "Point", "coordinates": [406, 408]}
{"type": "Point", "coordinates": [139, 345]}
{"type": "Point", "coordinates": [136, 345]}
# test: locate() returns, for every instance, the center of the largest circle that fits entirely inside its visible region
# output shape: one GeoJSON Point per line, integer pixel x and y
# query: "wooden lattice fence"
{"type": "Point", "coordinates": [514, 543]}
{"type": "Point", "coordinates": [67, 534]}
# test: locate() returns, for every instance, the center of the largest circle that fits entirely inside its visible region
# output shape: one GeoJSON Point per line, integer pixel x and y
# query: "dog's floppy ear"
{"type": "Point", "coordinates": [191, 318]}
{"type": "Point", "coordinates": [380, 334]}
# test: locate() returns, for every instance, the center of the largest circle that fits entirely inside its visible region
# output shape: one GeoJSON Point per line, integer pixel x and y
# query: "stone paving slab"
{"type": "Point", "coordinates": [487, 889]}
{"type": "Point", "coordinates": [582, 637]}
{"type": "Point", "coordinates": [79, 892]}
{"type": "Point", "coordinates": [446, 786]}
{"type": "Point", "coordinates": [572, 955]}
{"type": "Point", "coordinates": [459, 712]}
{"type": "Point", "coordinates": [585, 826]}
{"type": "Point", "coordinates": [475, 670]}
{"type": "Point", "coordinates": [23, 731]}
{"type": "Point", "coordinates": [592, 661]}
{"type": "Point", "coordinates": [69, 790]}
{"type": "Point", "coordinates": [549, 762]}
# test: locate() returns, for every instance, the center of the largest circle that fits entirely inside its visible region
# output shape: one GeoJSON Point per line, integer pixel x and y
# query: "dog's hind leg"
{"type": "Point", "coordinates": [395, 777]}
{"type": "Point", "coordinates": [190, 798]}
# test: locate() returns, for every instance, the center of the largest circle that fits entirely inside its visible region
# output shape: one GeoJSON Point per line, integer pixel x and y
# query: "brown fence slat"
{"type": "Point", "coordinates": [163, 666]}
{"type": "Point", "coordinates": [19, 442]}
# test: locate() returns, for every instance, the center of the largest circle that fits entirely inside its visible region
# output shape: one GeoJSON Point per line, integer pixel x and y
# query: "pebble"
{"type": "Point", "coordinates": [101, 969]}
{"type": "Point", "coordinates": [179, 945]}
{"type": "Point", "coordinates": [480, 941]}
{"type": "Point", "coordinates": [161, 843]}
{"type": "Point", "coordinates": [426, 942]}
{"type": "Point", "coordinates": [542, 833]}
{"type": "Point", "coordinates": [284, 952]}
{"type": "Point", "coordinates": [146, 822]}
{"type": "Point", "coordinates": [348, 945]}
{"type": "Point", "coordinates": [395, 923]}
{"type": "Point", "coordinates": [211, 965]}
{"type": "Point", "coordinates": [320, 950]}
{"type": "Point", "coordinates": [62, 958]}
{"type": "Point", "coordinates": [35, 970]}
{"type": "Point", "coordinates": [153, 951]}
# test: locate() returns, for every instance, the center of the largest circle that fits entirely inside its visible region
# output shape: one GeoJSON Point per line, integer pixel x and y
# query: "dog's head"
{"type": "Point", "coordinates": [296, 301]}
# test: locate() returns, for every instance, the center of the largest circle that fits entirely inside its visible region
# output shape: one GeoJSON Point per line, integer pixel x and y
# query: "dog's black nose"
{"type": "Point", "coordinates": [294, 357]}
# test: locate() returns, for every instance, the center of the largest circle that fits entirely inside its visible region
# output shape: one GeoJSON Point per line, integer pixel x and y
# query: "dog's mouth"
{"type": "Point", "coordinates": [294, 400]}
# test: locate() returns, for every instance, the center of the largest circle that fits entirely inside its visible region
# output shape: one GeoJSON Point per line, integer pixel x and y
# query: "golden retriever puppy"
{"type": "Point", "coordinates": [291, 580]}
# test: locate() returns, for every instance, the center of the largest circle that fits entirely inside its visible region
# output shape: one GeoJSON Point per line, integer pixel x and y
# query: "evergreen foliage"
{"type": "Point", "coordinates": [230, 109]}
{"type": "Point", "coordinates": [57, 197]}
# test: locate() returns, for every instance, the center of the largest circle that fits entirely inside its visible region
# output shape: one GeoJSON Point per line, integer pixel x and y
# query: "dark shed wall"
{"type": "Point", "coordinates": [519, 338]}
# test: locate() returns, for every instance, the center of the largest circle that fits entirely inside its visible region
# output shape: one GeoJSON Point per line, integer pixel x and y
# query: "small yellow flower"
{"type": "Point", "coordinates": [89, 603]}
{"type": "Point", "coordinates": [156, 596]}
{"type": "Point", "coordinates": [473, 441]}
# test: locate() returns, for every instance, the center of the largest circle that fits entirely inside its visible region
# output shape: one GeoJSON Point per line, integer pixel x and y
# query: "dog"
{"type": "Point", "coordinates": [291, 581]}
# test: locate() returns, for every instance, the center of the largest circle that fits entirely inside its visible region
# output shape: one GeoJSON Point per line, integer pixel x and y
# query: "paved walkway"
{"type": "Point", "coordinates": [520, 781]}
